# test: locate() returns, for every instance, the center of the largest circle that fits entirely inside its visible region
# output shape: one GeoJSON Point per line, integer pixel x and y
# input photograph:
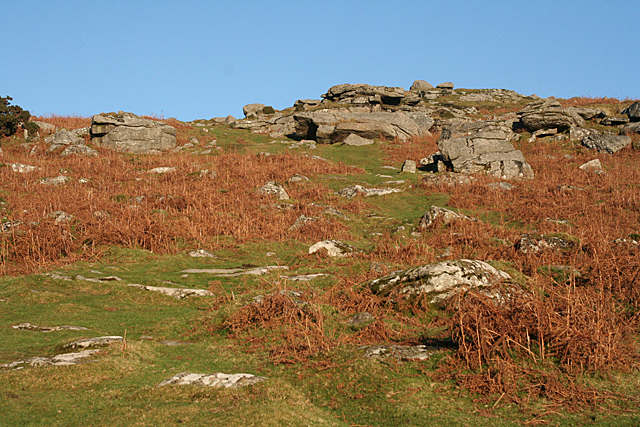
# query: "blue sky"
{"type": "Point", "coordinates": [202, 59]}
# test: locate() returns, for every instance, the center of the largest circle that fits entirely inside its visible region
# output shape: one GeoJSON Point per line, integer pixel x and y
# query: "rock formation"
{"type": "Point", "coordinates": [126, 132]}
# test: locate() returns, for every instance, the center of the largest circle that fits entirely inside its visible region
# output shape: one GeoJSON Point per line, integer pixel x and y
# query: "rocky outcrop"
{"type": "Point", "coordinates": [549, 114]}
{"type": "Point", "coordinates": [420, 85]}
{"type": "Point", "coordinates": [332, 126]}
{"type": "Point", "coordinates": [438, 281]}
{"type": "Point", "coordinates": [126, 132]}
{"type": "Point", "coordinates": [65, 137]}
{"type": "Point", "coordinates": [218, 380]}
{"type": "Point", "coordinates": [483, 147]}
{"type": "Point", "coordinates": [631, 128]}
{"type": "Point", "coordinates": [366, 94]}
{"type": "Point", "coordinates": [606, 143]}
{"type": "Point", "coordinates": [633, 111]}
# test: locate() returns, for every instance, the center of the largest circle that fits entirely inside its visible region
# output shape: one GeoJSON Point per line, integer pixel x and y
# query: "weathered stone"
{"type": "Point", "coordinates": [437, 215]}
{"type": "Point", "coordinates": [506, 186]}
{"type": "Point", "coordinates": [126, 132]}
{"type": "Point", "coordinates": [420, 85]}
{"type": "Point", "coordinates": [162, 169]}
{"type": "Point", "coordinates": [631, 128]}
{"type": "Point", "coordinates": [577, 134]}
{"type": "Point", "coordinates": [541, 133]}
{"type": "Point", "coordinates": [235, 272]}
{"type": "Point", "coordinates": [589, 113]}
{"type": "Point", "coordinates": [201, 253]}
{"type": "Point", "coordinates": [335, 212]}
{"type": "Point", "coordinates": [298, 178]}
{"type": "Point", "coordinates": [66, 137]}
{"type": "Point", "coordinates": [606, 143]}
{"type": "Point", "coordinates": [252, 109]}
{"type": "Point", "coordinates": [95, 342]}
{"type": "Point", "coordinates": [533, 243]}
{"type": "Point", "coordinates": [61, 216]}
{"type": "Point", "coordinates": [445, 85]}
{"type": "Point", "coordinates": [592, 165]}
{"type": "Point", "coordinates": [58, 180]}
{"type": "Point", "coordinates": [178, 293]}
{"type": "Point", "coordinates": [79, 149]}
{"type": "Point", "coordinates": [633, 112]}
{"type": "Point", "coordinates": [615, 121]}
{"type": "Point", "coordinates": [99, 279]}
{"type": "Point", "coordinates": [31, 327]}
{"type": "Point", "coordinates": [272, 187]}
{"type": "Point", "coordinates": [354, 140]}
{"type": "Point", "coordinates": [549, 114]}
{"type": "Point", "coordinates": [45, 126]}
{"type": "Point", "coordinates": [409, 166]}
{"type": "Point", "coordinates": [483, 147]}
{"type": "Point", "coordinates": [58, 360]}
{"type": "Point", "coordinates": [333, 248]}
{"type": "Point", "coordinates": [448, 179]}
{"type": "Point", "coordinates": [218, 380]}
{"type": "Point", "coordinates": [400, 352]}
{"type": "Point", "coordinates": [20, 168]}
{"type": "Point", "coordinates": [360, 318]}
{"type": "Point", "coordinates": [304, 277]}
{"type": "Point", "coordinates": [438, 281]}
{"type": "Point", "coordinates": [353, 190]}
{"type": "Point", "coordinates": [301, 221]}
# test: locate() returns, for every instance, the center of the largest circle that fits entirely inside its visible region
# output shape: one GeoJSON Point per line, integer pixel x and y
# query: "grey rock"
{"type": "Point", "coordinates": [201, 253]}
{"type": "Point", "coordinates": [335, 212]}
{"type": "Point", "coordinates": [333, 248]}
{"type": "Point", "coordinates": [534, 243]}
{"type": "Point", "coordinates": [31, 327]}
{"type": "Point", "coordinates": [409, 166]}
{"type": "Point", "coordinates": [298, 178]}
{"type": "Point", "coordinates": [606, 143]}
{"type": "Point", "coordinates": [577, 134]}
{"type": "Point", "coordinates": [634, 111]}
{"type": "Point", "coordinates": [58, 180]}
{"type": "Point", "coordinates": [79, 149]}
{"type": "Point", "coordinates": [483, 147]}
{"type": "Point", "coordinates": [179, 293]}
{"type": "Point", "coordinates": [252, 109]}
{"type": "Point", "coordinates": [218, 380]}
{"type": "Point", "coordinates": [420, 85]}
{"type": "Point", "coordinates": [353, 190]}
{"type": "Point", "coordinates": [126, 132]}
{"type": "Point", "coordinates": [162, 169]}
{"type": "Point", "coordinates": [235, 272]}
{"type": "Point", "coordinates": [360, 318]}
{"type": "Point", "coordinates": [549, 114]}
{"type": "Point", "coordinates": [99, 279]}
{"type": "Point", "coordinates": [301, 221]}
{"type": "Point", "coordinates": [95, 342]}
{"type": "Point", "coordinates": [45, 126]}
{"type": "Point", "coordinates": [541, 133]}
{"type": "Point", "coordinates": [400, 352]}
{"type": "Point", "coordinates": [506, 186]}
{"type": "Point", "coordinates": [445, 85]}
{"type": "Point", "coordinates": [272, 187]}
{"type": "Point", "coordinates": [448, 179]}
{"type": "Point", "coordinates": [58, 360]}
{"type": "Point", "coordinates": [66, 137]}
{"type": "Point", "coordinates": [61, 216]}
{"type": "Point", "coordinates": [631, 128]}
{"type": "Point", "coordinates": [438, 281]}
{"type": "Point", "coordinates": [589, 113]}
{"type": "Point", "coordinates": [20, 168]}
{"type": "Point", "coordinates": [592, 165]}
{"type": "Point", "coordinates": [354, 140]}
{"type": "Point", "coordinates": [304, 277]}
{"type": "Point", "coordinates": [437, 215]}
{"type": "Point", "coordinates": [614, 121]}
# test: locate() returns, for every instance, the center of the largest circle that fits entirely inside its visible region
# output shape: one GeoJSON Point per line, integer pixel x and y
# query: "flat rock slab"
{"type": "Point", "coordinates": [353, 190]}
{"type": "Point", "coordinates": [31, 327]}
{"type": "Point", "coordinates": [58, 360]}
{"type": "Point", "coordinates": [334, 248]}
{"type": "Point", "coordinates": [438, 281]}
{"type": "Point", "coordinates": [400, 352]}
{"type": "Point", "coordinates": [178, 293]}
{"type": "Point", "coordinates": [234, 272]}
{"type": "Point", "coordinates": [533, 243]}
{"type": "Point", "coordinates": [304, 277]}
{"type": "Point", "coordinates": [95, 342]}
{"type": "Point", "coordinates": [201, 253]}
{"type": "Point", "coordinates": [218, 380]}
{"type": "Point", "coordinates": [99, 279]}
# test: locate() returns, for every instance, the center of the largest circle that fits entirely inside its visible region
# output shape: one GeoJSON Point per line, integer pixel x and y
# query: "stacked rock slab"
{"type": "Point", "coordinates": [549, 114]}
{"type": "Point", "coordinates": [126, 132]}
{"type": "Point", "coordinates": [483, 147]}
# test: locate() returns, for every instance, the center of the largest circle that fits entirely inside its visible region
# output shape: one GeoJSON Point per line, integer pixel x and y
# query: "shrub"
{"type": "Point", "coordinates": [12, 116]}
{"type": "Point", "coordinates": [268, 110]}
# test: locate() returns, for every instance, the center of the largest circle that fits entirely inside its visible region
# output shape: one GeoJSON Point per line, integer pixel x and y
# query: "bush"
{"type": "Point", "coordinates": [268, 110]}
{"type": "Point", "coordinates": [12, 116]}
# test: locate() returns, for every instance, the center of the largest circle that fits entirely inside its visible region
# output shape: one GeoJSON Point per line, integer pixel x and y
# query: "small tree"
{"type": "Point", "coordinates": [12, 116]}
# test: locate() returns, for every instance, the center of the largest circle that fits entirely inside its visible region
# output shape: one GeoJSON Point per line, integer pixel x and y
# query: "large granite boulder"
{"type": "Point", "coordinates": [483, 147]}
{"type": "Point", "coordinates": [549, 114]}
{"type": "Point", "coordinates": [438, 281]}
{"type": "Point", "coordinates": [631, 128]}
{"type": "Point", "coordinates": [606, 143]}
{"type": "Point", "coordinates": [365, 94]}
{"type": "Point", "coordinates": [633, 112]}
{"type": "Point", "coordinates": [65, 137]}
{"type": "Point", "coordinates": [126, 132]}
{"type": "Point", "coordinates": [332, 127]}
{"type": "Point", "coordinates": [421, 85]}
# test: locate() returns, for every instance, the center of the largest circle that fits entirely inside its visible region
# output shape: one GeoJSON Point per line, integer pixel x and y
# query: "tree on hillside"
{"type": "Point", "coordinates": [13, 116]}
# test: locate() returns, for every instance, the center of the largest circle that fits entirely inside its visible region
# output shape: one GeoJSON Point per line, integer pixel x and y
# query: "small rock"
{"type": "Point", "coordinates": [95, 342]}
{"type": "Point", "coordinates": [437, 215]}
{"type": "Point", "coordinates": [353, 190]}
{"type": "Point", "coordinates": [445, 85]}
{"type": "Point", "coordinates": [354, 140]}
{"type": "Point", "coordinates": [335, 212]}
{"type": "Point", "coordinates": [236, 272]}
{"type": "Point", "coordinates": [161, 170]}
{"type": "Point", "coordinates": [533, 243]}
{"type": "Point", "coordinates": [593, 165]}
{"type": "Point", "coordinates": [334, 248]}
{"type": "Point", "coordinates": [301, 221]}
{"type": "Point", "coordinates": [59, 360]}
{"type": "Point", "coordinates": [304, 277]}
{"type": "Point", "coordinates": [201, 253]}
{"type": "Point", "coordinates": [30, 327]}
{"type": "Point", "coordinates": [218, 380]}
{"type": "Point", "coordinates": [506, 186]}
{"type": "Point", "coordinates": [272, 187]}
{"type": "Point", "coordinates": [606, 143]}
{"type": "Point", "coordinates": [361, 318]}
{"type": "Point", "coordinates": [298, 178]}
{"type": "Point", "coordinates": [20, 168]}
{"type": "Point", "coordinates": [179, 293]}
{"type": "Point", "coordinates": [400, 352]}
{"type": "Point", "coordinates": [61, 179]}
{"type": "Point", "coordinates": [61, 216]}
{"type": "Point", "coordinates": [409, 166]}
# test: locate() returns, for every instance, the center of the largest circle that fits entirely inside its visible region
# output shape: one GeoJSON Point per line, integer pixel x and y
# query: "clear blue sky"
{"type": "Point", "coordinates": [201, 59]}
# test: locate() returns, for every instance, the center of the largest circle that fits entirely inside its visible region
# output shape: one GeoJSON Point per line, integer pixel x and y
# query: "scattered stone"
{"type": "Point", "coordinates": [7, 226]}
{"type": "Point", "coordinates": [66, 137]}
{"type": "Point", "coordinates": [79, 149]}
{"type": "Point", "coordinates": [438, 281]}
{"type": "Point", "coordinates": [94, 342]}
{"type": "Point", "coordinates": [483, 147]}
{"type": "Point", "coordinates": [298, 178]}
{"type": "Point", "coordinates": [335, 212]}
{"type": "Point", "coordinates": [218, 380]}
{"type": "Point", "coordinates": [20, 168]}
{"type": "Point", "coordinates": [333, 248]}
{"type": "Point", "coordinates": [253, 109]}
{"type": "Point", "coordinates": [631, 128]}
{"type": "Point", "coordinates": [301, 221]}
{"type": "Point", "coordinates": [59, 360]}
{"type": "Point", "coordinates": [304, 277]}
{"type": "Point", "coordinates": [578, 134]}
{"type": "Point", "coordinates": [437, 215]}
{"type": "Point", "coordinates": [445, 85]}
{"type": "Point", "coordinates": [409, 166]}
{"type": "Point", "coordinates": [179, 293]}
{"type": "Point", "coordinates": [272, 187]}
{"type": "Point", "coordinates": [173, 343]}
{"type": "Point", "coordinates": [614, 121]}
{"type": "Point", "coordinates": [593, 165]}
{"type": "Point", "coordinates": [235, 272]}
{"type": "Point", "coordinates": [606, 143]}
{"type": "Point", "coordinates": [31, 327]}
{"type": "Point", "coordinates": [99, 279]}
{"type": "Point", "coordinates": [161, 170]}
{"type": "Point", "coordinates": [633, 112]}
{"type": "Point", "coordinates": [201, 253]}
{"type": "Point", "coordinates": [360, 318]}
{"type": "Point", "coordinates": [57, 276]}
{"type": "Point", "coordinates": [534, 243]}
{"type": "Point", "coordinates": [400, 352]}
{"type": "Point", "coordinates": [354, 140]}
{"type": "Point", "coordinates": [126, 132]}
{"type": "Point", "coordinates": [353, 190]}
{"type": "Point", "coordinates": [506, 186]}
{"type": "Point", "coordinates": [45, 126]}
{"type": "Point", "coordinates": [294, 295]}
{"type": "Point", "coordinates": [58, 180]}
{"type": "Point", "coordinates": [549, 114]}
{"type": "Point", "coordinates": [61, 216]}
{"type": "Point", "coordinates": [541, 133]}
